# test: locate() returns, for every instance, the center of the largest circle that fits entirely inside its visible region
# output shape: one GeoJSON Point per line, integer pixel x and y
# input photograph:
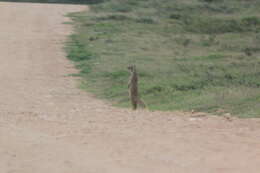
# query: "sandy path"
{"type": "Point", "coordinates": [48, 125]}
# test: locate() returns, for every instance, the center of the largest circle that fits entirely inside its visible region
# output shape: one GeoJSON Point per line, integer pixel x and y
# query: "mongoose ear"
{"type": "Point", "coordinates": [129, 67]}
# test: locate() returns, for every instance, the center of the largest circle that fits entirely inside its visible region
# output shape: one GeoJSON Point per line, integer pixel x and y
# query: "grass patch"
{"type": "Point", "coordinates": [199, 55]}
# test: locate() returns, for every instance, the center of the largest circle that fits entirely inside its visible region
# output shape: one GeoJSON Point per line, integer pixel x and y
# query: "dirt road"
{"type": "Point", "coordinates": [48, 125]}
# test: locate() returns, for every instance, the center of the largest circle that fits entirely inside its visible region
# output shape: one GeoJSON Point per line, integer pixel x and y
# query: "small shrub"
{"type": "Point", "coordinates": [145, 20]}
{"type": "Point", "coordinates": [209, 40]}
{"type": "Point", "coordinates": [212, 1]}
{"type": "Point", "coordinates": [251, 50]}
{"type": "Point", "coordinates": [84, 68]}
{"type": "Point", "coordinates": [184, 41]}
{"type": "Point", "coordinates": [121, 74]}
{"type": "Point", "coordinates": [77, 52]}
{"type": "Point", "coordinates": [122, 8]}
{"type": "Point", "coordinates": [116, 17]}
{"type": "Point", "coordinates": [154, 90]}
{"type": "Point", "coordinates": [175, 16]}
{"type": "Point", "coordinates": [251, 21]}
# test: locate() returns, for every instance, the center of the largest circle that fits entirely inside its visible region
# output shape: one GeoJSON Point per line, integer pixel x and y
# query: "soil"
{"type": "Point", "coordinates": [49, 125]}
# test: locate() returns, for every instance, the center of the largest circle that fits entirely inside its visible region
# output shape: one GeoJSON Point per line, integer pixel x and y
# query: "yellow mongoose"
{"type": "Point", "coordinates": [133, 88]}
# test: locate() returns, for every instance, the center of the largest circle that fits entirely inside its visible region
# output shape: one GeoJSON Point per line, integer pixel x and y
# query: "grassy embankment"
{"type": "Point", "coordinates": [196, 54]}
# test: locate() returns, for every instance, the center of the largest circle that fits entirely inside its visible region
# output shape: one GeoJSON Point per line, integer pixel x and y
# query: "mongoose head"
{"type": "Point", "coordinates": [131, 68]}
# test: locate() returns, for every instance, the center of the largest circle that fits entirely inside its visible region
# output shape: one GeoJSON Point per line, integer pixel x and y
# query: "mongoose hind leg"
{"type": "Point", "coordinates": [141, 103]}
{"type": "Point", "coordinates": [134, 104]}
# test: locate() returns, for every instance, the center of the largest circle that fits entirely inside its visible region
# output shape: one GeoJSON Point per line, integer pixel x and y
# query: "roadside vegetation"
{"type": "Point", "coordinates": [201, 55]}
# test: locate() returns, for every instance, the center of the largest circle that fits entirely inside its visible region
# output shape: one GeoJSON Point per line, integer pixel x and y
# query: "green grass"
{"type": "Point", "coordinates": [201, 55]}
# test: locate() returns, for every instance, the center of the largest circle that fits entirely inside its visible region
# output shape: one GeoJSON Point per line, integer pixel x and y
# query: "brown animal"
{"type": "Point", "coordinates": [133, 88]}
